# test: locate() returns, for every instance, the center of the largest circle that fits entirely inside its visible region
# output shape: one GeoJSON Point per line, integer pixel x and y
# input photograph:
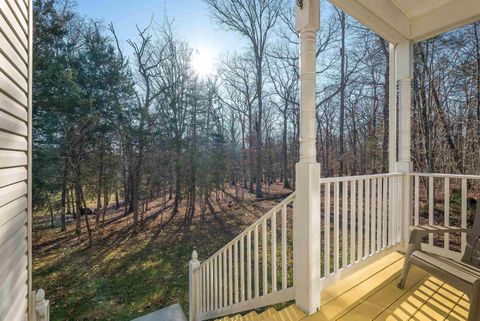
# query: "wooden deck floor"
{"type": "Point", "coordinates": [372, 294]}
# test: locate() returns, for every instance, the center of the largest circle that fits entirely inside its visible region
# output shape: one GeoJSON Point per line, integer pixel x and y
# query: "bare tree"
{"type": "Point", "coordinates": [254, 20]}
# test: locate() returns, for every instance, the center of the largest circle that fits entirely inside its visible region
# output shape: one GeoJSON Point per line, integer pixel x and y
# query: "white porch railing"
{"type": "Point", "coordinates": [444, 199]}
{"type": "Point", "coordinates": [359, 220]}
{"type": "Point", "coordinates": [246, 274]}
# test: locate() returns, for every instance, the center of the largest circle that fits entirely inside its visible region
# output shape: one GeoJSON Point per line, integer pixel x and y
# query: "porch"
{"type": "Point", "coordinates": [331, 246]}
{"type": "Point", "coordinates": [372, 294]}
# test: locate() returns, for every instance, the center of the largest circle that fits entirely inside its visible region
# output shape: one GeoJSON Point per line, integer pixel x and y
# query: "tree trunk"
{"type": "Point", "coordinates": [259, 168]}
{"type": "Point", "coordinates": [342, 96]}
{"type": "Point", "coordinates": [286, 183]}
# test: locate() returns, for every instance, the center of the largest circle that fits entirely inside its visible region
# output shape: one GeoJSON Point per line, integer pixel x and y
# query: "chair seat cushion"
{"type": "Point", "coordinates": [460, 270]}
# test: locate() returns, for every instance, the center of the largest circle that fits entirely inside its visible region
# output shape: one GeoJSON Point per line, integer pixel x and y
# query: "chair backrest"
{"type": "Point", "coordinates": [472, 249]}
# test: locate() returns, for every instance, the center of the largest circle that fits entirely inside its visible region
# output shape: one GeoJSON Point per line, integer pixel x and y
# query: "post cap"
{"type": "Point", "coordinates": [308, 15]}
{"type": "Point", "coordinates": [194, 255]}
{"type": "Point", "coordinates": [40, 295]}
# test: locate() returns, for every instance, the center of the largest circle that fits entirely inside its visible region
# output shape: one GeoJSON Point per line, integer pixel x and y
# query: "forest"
{"type": "Point", "coordinates": [111, 127]}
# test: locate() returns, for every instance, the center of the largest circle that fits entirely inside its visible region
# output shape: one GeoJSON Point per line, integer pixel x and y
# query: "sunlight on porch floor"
{"type": "Point", "coordinates": [372, 294]}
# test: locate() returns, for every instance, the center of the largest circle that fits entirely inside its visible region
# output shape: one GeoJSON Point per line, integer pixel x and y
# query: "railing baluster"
{"type": "Point", "coordinates": [207, 272]}
{"type": "Point", "coordinates": [379, 213]}
{"type": "Point", "coordinates": [204, 290]}
{"type": "Point", "coordinates": [255, 265]}
{"type": "Point", "coordinates": [430, 207]}
{"type": "Point", "coordinates": [373, 216]}
{"type": "Point", "coordinates": [273, 232]}
{"type": "Point", "coordinates": [327, 229]}
{"type": "Point", "coordinates": [225, 279]}
{"type": "Point", "coordinates": [464, 213]}
{"type": "Point", "coordinates": [417, 200]}
{"type": "Point", "coordinates": [284, 247]}
{"type": "Point", "coordinates": [360, 219]}
{"type": "Point", "coordinates": [353, 221]}
{"type": "Point", "coordinates": [384, 213]}
{"type": "Point", "coordinates": [212, 302]}
{"type": "Point", "coordinates": [336, 228]}
{"type": "Point", "coordinates": [344, 223]}
{"type": "Point", "coordinates": [215, 283]}
{"type": "Point", "coordinates": [249, 265]}
{"type": "Point", "coordinates": [235, 269]}
{"type": "Point", "coordinates": [220, 281]}
{"type": "Point", "coordinates": [264, 257]}
{"type": "Point", "coordinates": [367, 218]}
{"type": "Point", "coordinates": [199, 291]}
{"type": "Point", "coordinates": [230, 275]}
{"type": "Point", "coordinates": [446, 202]}
{"type": "Point", "coordinates": [242, 269]}
{"type": "Point", "coordinates": [391, 216]}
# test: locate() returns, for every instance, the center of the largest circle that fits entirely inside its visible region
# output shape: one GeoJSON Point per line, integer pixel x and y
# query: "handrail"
{"type": "Point", "coordinates": [455, 176]}
{"type": "Point", "coordinates": [352, 178]}
{"type": "Point", "coordinates": [250, 228]}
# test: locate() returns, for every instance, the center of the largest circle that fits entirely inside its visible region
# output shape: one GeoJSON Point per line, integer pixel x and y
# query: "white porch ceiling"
{"type": "Point", "coordinates": [416, 20]}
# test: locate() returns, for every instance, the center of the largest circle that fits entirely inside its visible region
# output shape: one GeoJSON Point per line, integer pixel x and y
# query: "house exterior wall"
{"type": "Point", "coordinates": [15, 159]}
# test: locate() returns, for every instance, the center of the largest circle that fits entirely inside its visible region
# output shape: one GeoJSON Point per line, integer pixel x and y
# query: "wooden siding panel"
{"type": "Point", "coordinates": [13, 125]}
{"type": "Point", "coordinates": [12, 107]}
{"type": "Point", "coordinates": [13, 49]}
{"type": "Point", "coordinates": [12, 192]}
{"type": "Point", "coordinates": [12, 158]}
{"type": "Point", "coordinates": [13, 90]}
{"type": "Point", "coordinates": [11, 37]}
{"type": "Point", "coordinates": [22, 21]}
{"type": "Point", "coordinates": [13, 277]}
{"type": "Point", "coordinates": [23, 8]}
{"type": "Point", "coordinates": [14, 201]}
{"type": "Point", "coordinates": [11, 141]}
{"type": "Point", "coordinates": [15, 100]}
{"type": "Point", "coordinates": [10, 61]}
{"type": "Point", "coordinates": [7, 13]}
{"type": "Point", "coordinates": [15, 303]}
{"type": "Point", "coordinates": [13, 175]}
{"type": "Point", "coordinates": [9, 248]}
{"type": "Point", "coordinates": [8, 229]}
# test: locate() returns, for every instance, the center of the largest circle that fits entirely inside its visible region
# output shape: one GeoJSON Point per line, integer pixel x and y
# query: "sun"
{"type": "Point", "coordinates": [203, 62]}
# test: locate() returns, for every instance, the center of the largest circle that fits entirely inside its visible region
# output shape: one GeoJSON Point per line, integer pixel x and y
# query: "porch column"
{"type": "Point", "coordinates": [404, 71]}
{"type": "Point", "coordinates": [306, 216]}
{"type": "Point", "coordinates": [392, 112]}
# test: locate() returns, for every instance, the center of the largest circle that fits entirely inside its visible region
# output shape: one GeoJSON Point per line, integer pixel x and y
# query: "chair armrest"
{"type": "Point", "coordinates": [437, 229]}
{"type": "Point", "coordinates": [419, 231]}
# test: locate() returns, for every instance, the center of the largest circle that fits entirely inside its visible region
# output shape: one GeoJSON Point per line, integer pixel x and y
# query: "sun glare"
{"type": "Point", "coordinates": [203, 62]}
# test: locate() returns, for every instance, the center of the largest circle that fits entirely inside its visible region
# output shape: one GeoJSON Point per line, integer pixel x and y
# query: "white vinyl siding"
{"type": "Point", "coordinates": [14, 159]}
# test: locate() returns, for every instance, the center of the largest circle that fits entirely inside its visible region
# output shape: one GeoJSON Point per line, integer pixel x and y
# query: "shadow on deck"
{"type": "Point", "coordinates": [372, 294]}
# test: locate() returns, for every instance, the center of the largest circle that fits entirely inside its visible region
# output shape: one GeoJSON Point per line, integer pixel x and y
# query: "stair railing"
{"type": "Point", "coordinates": [252, 271]}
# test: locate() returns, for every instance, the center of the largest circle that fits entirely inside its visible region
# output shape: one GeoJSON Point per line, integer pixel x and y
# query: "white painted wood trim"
{"type": "Point", "coordinates": [270, 299]}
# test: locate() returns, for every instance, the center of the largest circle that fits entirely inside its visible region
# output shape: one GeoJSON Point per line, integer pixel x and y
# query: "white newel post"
{"type": "Point", "coordinates": [193, 286]}
{"type": "Point", "coordinates": [404, 71]}
{"type": "Point", "coordinates": [306, 214]}
{"type": "Point", "coordinates": [42, 306]}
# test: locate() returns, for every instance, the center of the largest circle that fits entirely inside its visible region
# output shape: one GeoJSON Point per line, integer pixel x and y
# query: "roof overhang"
{"type": "Point", "coordinates": [416, 20]}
